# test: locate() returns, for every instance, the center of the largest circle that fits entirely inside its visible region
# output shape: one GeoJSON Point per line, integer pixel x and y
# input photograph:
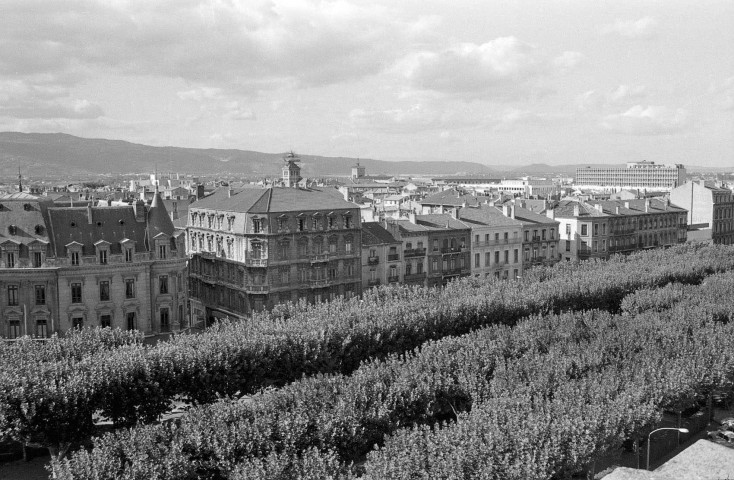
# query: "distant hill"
{"type": "Point", "coordinates": [41, 154]}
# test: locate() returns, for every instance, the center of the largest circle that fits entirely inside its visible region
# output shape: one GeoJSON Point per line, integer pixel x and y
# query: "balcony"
{"type": "Point", "coordinates": [373, 283]}
{"type": "Point", "coordinates": [257, 289]}
{"type": "Point", "coordinates": [256, 262]}
{"type": "Point", "coordinates": [455, 249]}
{"type": "Point", "coordinates": [373, 260]}
{"type": "Point", "coordinates": [319, 283]}
{"type": "Point", "coordinates": [393, 257]}
{"type": "Point", "coordinates": [414, 252]}
{"type": "Point", "coordinates": [319, 258]}
{"type": "Point", "coordinates": [536, 238]}
{"type": "Point", "coordinates": [394, 279]}
{"type": "Point", "coordinates": [414, 277]}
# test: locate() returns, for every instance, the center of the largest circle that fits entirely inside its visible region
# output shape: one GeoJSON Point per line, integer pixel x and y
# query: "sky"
{"type": "Point", "coordinates": [491, 81]}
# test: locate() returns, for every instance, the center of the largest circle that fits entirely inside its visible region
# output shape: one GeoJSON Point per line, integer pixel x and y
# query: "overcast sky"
{"type": "Point", "coordinates": [498, 82]}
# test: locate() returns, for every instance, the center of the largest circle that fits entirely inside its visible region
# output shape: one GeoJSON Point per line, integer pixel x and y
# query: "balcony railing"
{"type": "Point", "coordinates": [256, 262]}
{"type": "Point", "coordinates": [319, 257]}
{"type": "Point", "coordinates": [393, 257]}
{"type": "Point", "coordinates": [257, 288]}
{"type": "Point", "coordinates": [414, 252]}
{"type": "Point", "coordinates": [453, 249]}
{"type": "Point", "coordinates": [414, 277]}
{"type": "Point", "coordinates": [373, 283]}
{"type": "Point", "coordinates": [319, 283]}
{"type": "Point", "coordinates": [393, 279]}
{"type": "Point", "coordinates": [373, 260]}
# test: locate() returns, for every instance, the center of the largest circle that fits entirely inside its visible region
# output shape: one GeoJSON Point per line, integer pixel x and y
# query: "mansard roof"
{"type": "Point", "coordinates": [271, 200]}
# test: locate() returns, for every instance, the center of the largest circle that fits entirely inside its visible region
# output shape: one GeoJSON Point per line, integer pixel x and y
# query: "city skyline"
{"type": "Point", "coordinates": [495, 83]}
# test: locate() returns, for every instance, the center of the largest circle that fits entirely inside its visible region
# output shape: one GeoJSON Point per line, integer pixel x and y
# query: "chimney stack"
{"type": "Point", "coordinates": [627, 205]}
{"type": "Point", "coordinates": [550, 213]}
{"type": "Point", "coordinates": [616, 210]}
{"type": "Point", "coordinates": [647, 205]}
{"type": "Point", "coordinates": [576, 210]}
{"type": "Point", "coordinates": [411, 218]}
{"type": "Point", "coordinates": [456, 213]}
{"type": "Point", "coordinates": [89, 213]}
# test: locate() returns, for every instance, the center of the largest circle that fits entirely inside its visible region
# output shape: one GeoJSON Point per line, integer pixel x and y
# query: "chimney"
{"type": "Point", "coordinates": [576, 210]}
{"type": "Point", "coordinates": [89, 214]}
{"type": "Point", "coordinates": [627, 205]}
{"type": "Point", "coordinates": [616, 210]}
{"type": "Point", "coordinates": [139, 210]}
{"type": "Point", "coordinates": [229, 192]}
{"type": "Point", "coordinates": [456, 213]}
{"type": "Point", "coordinates": [598, 207]}
{"type": "Point", "coordinates": [647, 205]}
{"type": "Point", "coordinates": [550, 213]}
{"type": "Point", "coordinates": [508, 210]}
{"type": "Point", "coordinates": [411, 218]}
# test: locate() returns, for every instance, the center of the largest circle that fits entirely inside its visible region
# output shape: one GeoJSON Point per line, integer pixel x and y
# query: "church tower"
{"type": "Point", "coordinates": [291, 170]}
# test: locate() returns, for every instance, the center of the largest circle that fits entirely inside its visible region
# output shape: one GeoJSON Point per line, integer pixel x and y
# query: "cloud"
{"type": "Point", "coordinates": [504, 68]}
{"type": "Point", "coordinates": [234, 111]}
{"type": "Point", "coordinates": [568, 60]}
{"type": "Point", "coordinates": [415, 118]}
{"type": "Point", "coordinates": [652, 120]}
{"type": "Point", "coordinates": [642, 28]}
{"type": "Point", "coordinates": [245, 46]}
{"type": "Point", "coordinates": [625, 92]}
{"type": "Point", "coordinates": [22, 99]}
{"type": "Point", "coordinates": [724, 93]}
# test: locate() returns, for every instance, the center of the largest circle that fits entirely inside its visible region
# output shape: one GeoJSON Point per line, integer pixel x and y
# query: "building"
{"type": "Point", "coordinates": [381, 256]}
{"type": "Point", "coordinates": [496, 240]}
{"type": "Point", "coordinates": [540, 236]}
{"type": "Point", "coordinates": [598, 228]}
{"type": "Point", "coordinates": [710, 211]}
{"type": "Point", "coordinates": [252, 248]}
{"type": "Point", "coordinates": [66, 267]}
{"type": "Point", "coordinates": [641, 175]}
{"type": "Point", "coordinates": [528, 187]}
{"type": "Point", "coordinates": [447, 201]}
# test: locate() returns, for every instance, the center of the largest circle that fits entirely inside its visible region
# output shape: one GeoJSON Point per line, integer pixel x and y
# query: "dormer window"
{"type": "Point", "coordinates": [10, 260]}
{"type": "Point", "coordinates": [256, 225]}
{"type": "Point", "coordinates": [12, 229]}
{"type": "Point", "coordinates": [128, 254]}
{"type": "Point", "coordinates": [162, 252]}
{"type": "Point", "coordinates": [75, 258]}
{"type": "Point", "coordinates": [102, 254]}
{"type": "Point", "coordinates": [301, 224]}
{"type": "Point", "coordinates": [347, 221]}
{"type": "Point", "coordinates": [332, 222]}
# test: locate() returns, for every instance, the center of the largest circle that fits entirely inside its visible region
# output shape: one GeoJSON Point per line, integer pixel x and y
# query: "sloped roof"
{"type": "Point", "coordinates": [13, 212]}
{"type": "Point", "coordinates": [375, 234]}
{"type": "Point", "coordinates": [158, 219]}
{"type": "Point", "coordinates": [111, 224]}
{"type": "Point", "coordinates": [636, 207]}
{"type": "Point", "coordinates": [526, 216]}
{"type": "Point", "coordinates": [565, 208]}
{"type": "Point", "coordinates": [486, 215]}
{"type": "Point", "coordinates": [440, 221]}
{"type": "Point", "coordinates": [275, 199]}
{"type": "Point", "coordinates": [450, 197]}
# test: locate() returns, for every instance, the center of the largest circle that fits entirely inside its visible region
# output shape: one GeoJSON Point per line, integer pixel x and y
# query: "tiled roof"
{"type": "Point", "coordinates": [24, 212]}
{"type": "Point", "coordinates": [111, 224]}
{"type": "Point", "coordinates": [375, 234]}
{"type": "Point", "coordinates": [275, 199]}
{"type": "Point", "coordinates": [486, 215]}
{"type": "Point", "coordinates": [450, 197]}
{"type": "Point", "coordinates": [440, 221]}
{"type": "Point", "coordinates": [565, 208]}
{"type": "Point", "coordinates": [636, 207]}
{"type": "Point", "coordinates": [526, 216]}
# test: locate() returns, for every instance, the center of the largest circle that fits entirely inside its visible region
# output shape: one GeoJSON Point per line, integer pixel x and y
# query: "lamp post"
{"type": "Point", "coordinates": [681, 430]}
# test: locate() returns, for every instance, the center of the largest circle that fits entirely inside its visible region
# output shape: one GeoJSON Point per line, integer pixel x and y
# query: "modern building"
{"type": "Point", "coordinates": [640, 175]}
{"type": "Point", "coordinates": [66, 267]}
{"type": "Point", "coordinates": [528, 187]}
{"type": "Point", "coordinates": [252, 248]}
{"type": "Point", "coordinates": [381, 256]}
{"type": "Point", "coordinates": [710, 211]}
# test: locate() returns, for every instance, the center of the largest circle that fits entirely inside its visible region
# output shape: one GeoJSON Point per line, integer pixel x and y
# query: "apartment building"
{"type": "Point", "coordinates": [584, 230]}
{"type": "Point", "coordinates": [496, 240]}
{"type": "Point", "coordinates": [710, 210]}
{"type": "Point", "coordinates": [252, 248]}
{"type": "Point", "coordinates": [540, 236]}
{"type": "Point", "coordinates": [67, 267]}
{"type": "Point", "coordinates": [382, 261]}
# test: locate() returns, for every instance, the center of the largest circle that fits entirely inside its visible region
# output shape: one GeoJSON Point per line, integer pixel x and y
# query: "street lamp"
{"type": "Point", "coordinates": [681, 430]}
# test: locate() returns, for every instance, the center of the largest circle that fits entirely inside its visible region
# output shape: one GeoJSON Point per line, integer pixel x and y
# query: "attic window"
{"type": "Point", "coordinates": [73, 224]}
{"type": "Point", "coordinates": [26, 206]}
{"type": "Point", "coordinates": [39, 229]}
{"type": "Point", "coordinates": [121, 222]}
{"type": "Point", "coordinates": [12, 229]}
{"type": "Point", "coordinates": [99, 224]}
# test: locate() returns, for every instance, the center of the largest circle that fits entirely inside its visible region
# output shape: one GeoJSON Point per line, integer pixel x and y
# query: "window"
{"type": "Point", "coordinates": [435, 245]}
{"type": "Point", "coordinates": [347, 221]}
{"type": "Point", "coordinates": [603, 245]}
{"type": "Point", "coordinates": [332, 222]}
{"type": "Point", "coordinates": [596, 229]}
{"type": "Point", "coordinates": [568, 229]}
{"type": "Point", "coordinates": [285, 276]}
{"type": "Point", "coordinates": [10, 260]}
{"type": "Point", "coordinates": [103, 257]}
{"type": "Point", "coordinates": [409, 268]}
{"type": "Point", "coordinates": [419, 267]}
{"type": "Point", "coordinates": [497, 237]}
{"type": "Point", "coordinates": [75, 258]}
{"type": "Point", "coordinates": [256, 225]}
{"type": "Point", "coordinates": [130, 288]}
{"type": "Point", "coordinates": [104, 291]}
{"type": "Point", "coordinates": [568, 245]}
{"type": "Point", "coordinates": [506, 236]}
{"type": "Point", "coordinates": [303, 249]}
{"type": "Point", "coordinates": [13, 295]}
{"type": "Point", "coordinates": [496, 257]}
{"type": "Point", "coordinates": [14, 329]}
{"type": "Point", "coordinates": [283, 251]}
{"type": "Point", "coordinates": [507, 256]}
{"type": "Point", "coordinates": [487, 259]}
{"type": "Point", "coordinates": [129, 251]}
{"type": "Point", "coordinates": [165, 320]}
{"type": "Point", "coordinates": [301, 224]}
{"type": "Point", "coordinates": [162, 252]}
{"type": "Point", "coordinates": [350, 269]}
{"type": "Point", "coordinates": [596, 246]}
{"type": "Point", "coordinates": [514, 273]}
{"type": "Point", "coordinates": [527, 235]}
{"type": "Point", "coordinates": [516, 256]}
{"type": "Point", "coordinates": [40, 295]}
{"type": "Point", "coordinates": [603, 228]}
{"type": "Point", "coordinates": [332, 245]}
{"type": "Point", "coordinates": [476, 260]}
{"type": "Point", "coordinates": [434, 265]}
{"type": "Point", "coordinates": [303, 274]}
{"type": "Point", "coordinates": [77, 322]}
{"type": "Point", "coordinates": [37, 259]}
{"type": "Point", "coordinates": [76, 293]}
{"type": "Point", "coordinates": [542, 234]}
{"type": "Point", "coordinates": [552, 233]}
{"type": "Point", "coordinates": [393, 272]}
{"type": "Point", "coordinates": [584, 229]}
{"type": "Point", "coordinates": [105, 321]}
{"type": "Point", "coordinates": [332, 273]}
{"type": "Point", "coordinates": [420, 245]}
{"type": "Point", "coordinates": [41, 328]}
{"type": "Point", "coordinates": [131, 323]}
{"type": "Point", "coordinates": [163, 284]}
{"type": "Point", "coordinates": [476, 238]}
{"type": "Point", "coordinates": [348, 246]}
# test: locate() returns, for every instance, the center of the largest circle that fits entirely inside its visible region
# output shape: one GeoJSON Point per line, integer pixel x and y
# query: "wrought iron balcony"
{"type": "Point", "coordinates": [373, 260]}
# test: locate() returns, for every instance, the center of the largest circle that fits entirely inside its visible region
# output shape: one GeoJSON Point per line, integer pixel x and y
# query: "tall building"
{"type": "Point", "coordinates": [252, 248]}
{"type": "Point", "coordinates": [642, 175]}
{"type": "Point", "coordinates": [381, 256]}
{"type": "Point", "coordinates": [66, 267]}
{"type": "Point", "coordinates": [710, 211]}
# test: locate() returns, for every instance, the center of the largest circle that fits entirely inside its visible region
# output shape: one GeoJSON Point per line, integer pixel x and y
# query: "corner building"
{"type": "Point", "coordinates": [253, 248]}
